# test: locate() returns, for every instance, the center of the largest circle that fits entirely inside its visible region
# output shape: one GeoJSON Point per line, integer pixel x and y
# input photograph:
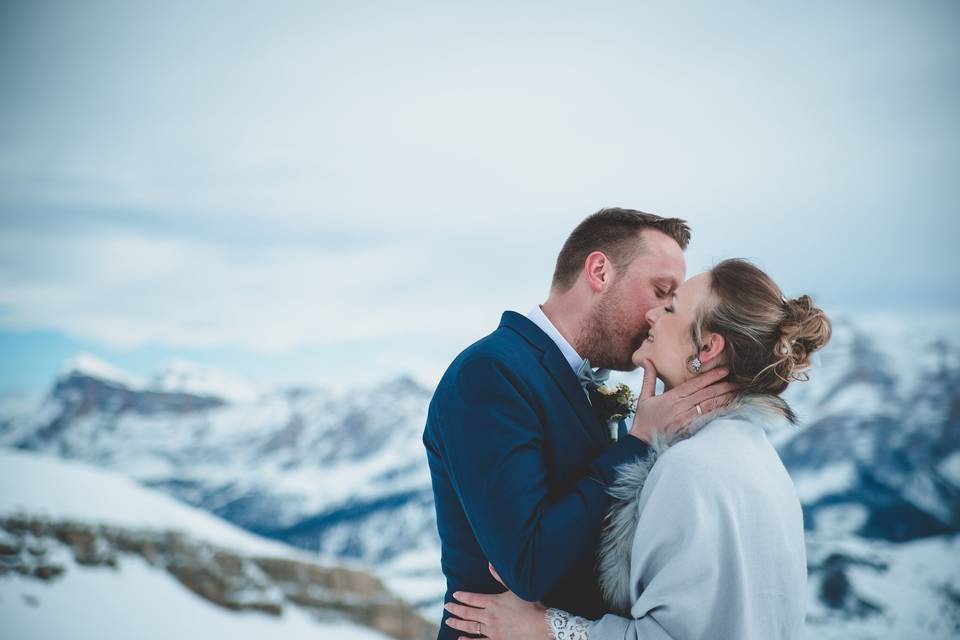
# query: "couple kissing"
{"type": "Point", "coordinates": [681, 524]}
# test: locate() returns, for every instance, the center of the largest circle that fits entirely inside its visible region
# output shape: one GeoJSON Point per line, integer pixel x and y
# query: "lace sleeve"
{"type": "Point", "coordinates": [566, 626]}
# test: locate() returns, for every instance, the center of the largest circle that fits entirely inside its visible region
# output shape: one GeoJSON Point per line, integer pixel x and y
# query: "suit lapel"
{"type": "Point", "coordinates": [563, 375]}
{"type": "Point", "coordinates": [559, 369]}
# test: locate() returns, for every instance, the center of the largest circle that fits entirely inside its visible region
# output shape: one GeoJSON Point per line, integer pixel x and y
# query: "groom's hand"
{"type": "Point", "coordinates": [676, 408]}
{"type": "Point", "coordinates": [501, 616]}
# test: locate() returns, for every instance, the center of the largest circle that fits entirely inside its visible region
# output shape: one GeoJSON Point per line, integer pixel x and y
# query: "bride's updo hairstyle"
{"type": "Point", "coordinates": [768, 339]}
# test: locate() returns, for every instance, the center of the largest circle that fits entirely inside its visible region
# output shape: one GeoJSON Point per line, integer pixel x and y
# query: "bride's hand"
{"type": "Point", "coordinates": [676, 408]}
{"type": "Point", "coordinates": [499, 616]}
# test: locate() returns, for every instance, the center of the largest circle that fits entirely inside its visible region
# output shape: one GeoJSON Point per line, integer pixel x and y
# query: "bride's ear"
{"type": "Point", "coordinates": [711, 346]}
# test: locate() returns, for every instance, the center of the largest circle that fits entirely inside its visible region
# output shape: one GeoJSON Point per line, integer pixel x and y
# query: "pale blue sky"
{"type": "Point", "coordinates": [318, 191]}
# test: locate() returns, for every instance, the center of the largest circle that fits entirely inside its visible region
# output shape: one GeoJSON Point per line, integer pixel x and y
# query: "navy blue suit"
{"type": "Point", "coordinates": [520, 466]}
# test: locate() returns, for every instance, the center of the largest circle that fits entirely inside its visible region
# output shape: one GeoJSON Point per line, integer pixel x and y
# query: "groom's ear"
{"type": "Point", "coordinates": [598, 271]}
{"type": "Point", "coordinates": [711, 346]}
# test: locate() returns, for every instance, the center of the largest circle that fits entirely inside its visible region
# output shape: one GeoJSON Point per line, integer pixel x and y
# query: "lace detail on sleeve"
{"type": "Point", "coordinates": [566, 626]}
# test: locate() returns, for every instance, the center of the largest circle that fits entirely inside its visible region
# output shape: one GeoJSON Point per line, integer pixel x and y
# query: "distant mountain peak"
{"type": "Point", "coordinates": [403, 383]}
{"type": "Point", "coordinates": [89, 365]}
{"type": "Point", "coordinates": [180, 375]}
{"type": "Point", "coordinates": [174, 375]}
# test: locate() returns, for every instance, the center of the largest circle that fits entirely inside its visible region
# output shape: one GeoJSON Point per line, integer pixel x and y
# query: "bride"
{"type": "Point", "coordinates": [704, 538]}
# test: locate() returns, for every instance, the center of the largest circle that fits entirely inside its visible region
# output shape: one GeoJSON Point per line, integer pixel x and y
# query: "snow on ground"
{"type": "Point", "coordinates": [135, 600]}
{"type": "Point", "coordinates": [914, 583]}
{"type": "Point", "coordinates": [835, 478]}
{"type": "Point", "coordinates": [854, 398]}
{"type": "Point", "coordinates": [138, 601]}
{"type": "Point", "coordinates": [416, 575]}
{"type": "Point", "coordinates": [950, 469]}
{"type": "Point", "coordinates": [45, 486]}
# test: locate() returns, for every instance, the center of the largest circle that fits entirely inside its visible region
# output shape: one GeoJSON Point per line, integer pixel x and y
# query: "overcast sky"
{"type": "Point", "coordinates": [327, 191]}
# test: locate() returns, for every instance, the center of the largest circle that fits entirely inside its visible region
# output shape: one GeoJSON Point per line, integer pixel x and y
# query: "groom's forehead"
{"type": "Point", "coordinates": [662, 251]}
{"type": "Point", "coordinates": [660, 273]}
{"type": "Point", "coordinates": [661, 267]}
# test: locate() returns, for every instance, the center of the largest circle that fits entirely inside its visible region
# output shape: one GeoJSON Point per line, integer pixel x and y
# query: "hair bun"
{"type": "Point", "coordinates": [804, 329]}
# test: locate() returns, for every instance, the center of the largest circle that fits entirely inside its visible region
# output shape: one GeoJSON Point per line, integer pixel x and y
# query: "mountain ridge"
{"type": "Point", "coordinates": [877, 457]}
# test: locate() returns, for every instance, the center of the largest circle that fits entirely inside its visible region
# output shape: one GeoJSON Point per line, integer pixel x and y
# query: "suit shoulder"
{"type": "Point", "coordinates": [498, 368]}
{"type": "Point", "coordinates": [501, 347]}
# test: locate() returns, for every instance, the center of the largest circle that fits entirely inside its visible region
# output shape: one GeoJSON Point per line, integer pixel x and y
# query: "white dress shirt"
{"type": "Point", "coordinates": [540, 319]}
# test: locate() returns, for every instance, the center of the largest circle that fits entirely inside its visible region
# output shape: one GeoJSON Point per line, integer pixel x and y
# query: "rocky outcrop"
{"type": "Point", "coordinates": [41, 548]}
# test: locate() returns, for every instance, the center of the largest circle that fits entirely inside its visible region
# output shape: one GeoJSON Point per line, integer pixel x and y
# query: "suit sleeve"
{"type": "Point", "coordinates": [493, 446]}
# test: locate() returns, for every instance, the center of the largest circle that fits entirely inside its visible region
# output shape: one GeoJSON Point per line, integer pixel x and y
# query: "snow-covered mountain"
{"type": "Point", "coordinates": [328, 473]}
{"type": "Point", "coordinates": [90, 551]}
{"type": "Point", "coordinates": [876, 463]}
{"type": "Point", "coordinates": [880, 453]}
{"type": "Point", "coordinates": [862, 588]}
{"type": "Point", "coordinates": [172, 375]}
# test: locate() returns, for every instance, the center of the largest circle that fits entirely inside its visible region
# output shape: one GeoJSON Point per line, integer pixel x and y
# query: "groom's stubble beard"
{"type": "Point", "coordinates": [606, 339]}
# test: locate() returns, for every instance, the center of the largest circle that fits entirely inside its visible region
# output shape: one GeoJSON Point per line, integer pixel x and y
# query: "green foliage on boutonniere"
{"type": "Point", "coordinates": [614, 403]}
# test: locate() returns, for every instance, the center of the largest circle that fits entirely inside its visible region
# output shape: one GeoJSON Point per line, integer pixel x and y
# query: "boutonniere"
{"type": "Point", "coordinates": [614, 404]}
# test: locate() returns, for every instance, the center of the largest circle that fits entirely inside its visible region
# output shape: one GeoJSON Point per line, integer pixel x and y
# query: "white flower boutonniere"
{"type": "Point", "coordinates": [614, 404]}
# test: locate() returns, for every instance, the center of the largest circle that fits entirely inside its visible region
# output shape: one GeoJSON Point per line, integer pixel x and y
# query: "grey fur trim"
{"type": "Point", "coordinates": [620, 525]}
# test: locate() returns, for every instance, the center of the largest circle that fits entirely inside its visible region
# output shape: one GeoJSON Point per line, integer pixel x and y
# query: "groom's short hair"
{"type": "Point", "coordinates": [615, 232]}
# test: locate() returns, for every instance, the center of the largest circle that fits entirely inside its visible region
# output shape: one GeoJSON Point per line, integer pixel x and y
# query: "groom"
{"type": "Point", "coordinates": [519, 461]}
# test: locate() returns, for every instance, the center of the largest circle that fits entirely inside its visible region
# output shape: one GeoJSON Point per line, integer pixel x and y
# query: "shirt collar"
{"type": "Point", "coordinates": [540, 319]}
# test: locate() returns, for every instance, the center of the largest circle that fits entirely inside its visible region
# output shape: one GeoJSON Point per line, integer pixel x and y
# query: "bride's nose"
{"type": "Point", "coordinates": [652, 316]}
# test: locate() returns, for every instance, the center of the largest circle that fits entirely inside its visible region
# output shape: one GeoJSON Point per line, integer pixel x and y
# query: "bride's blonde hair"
{"type": "Point", "coordinates": [768, 339]}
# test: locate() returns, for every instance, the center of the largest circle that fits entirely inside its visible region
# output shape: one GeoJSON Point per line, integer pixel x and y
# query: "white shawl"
{"type": "Point", "coordinates": [705, 538]}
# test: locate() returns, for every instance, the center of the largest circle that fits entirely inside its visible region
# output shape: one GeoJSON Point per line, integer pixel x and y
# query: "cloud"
{"type": "Point", "coordinates": [125, 289]}
{"type": "Point", "coordinates": [304, 174]}
{"type": "Point", "coordinates": [431, 120]}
